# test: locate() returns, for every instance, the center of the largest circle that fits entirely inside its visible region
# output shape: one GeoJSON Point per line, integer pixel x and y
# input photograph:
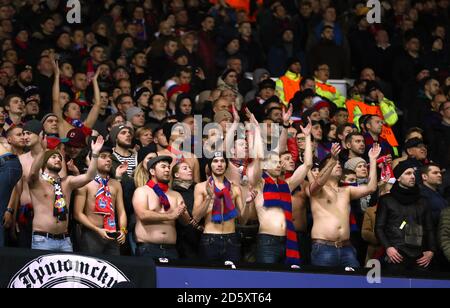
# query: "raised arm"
{"type": "Point", "coordinates": [95, 110]}
{"type": "Point", "coordinates": [196, 170]}
{"type": "Point", "coordinates": [287, 115]}
{"type": "Point", "coordinates": [56, 106]}
{"type": "Point", "coordinates": [76, 182]}
{"type": "Point", "coordinates": [229, 138]}
{"type": "Point", "coordinates": [36, 166]}
{"type": "Point", "coordinates": [300, 174]}
{"type": "Point", "coordinates": [320, 181]}
{"type": "Point", "coordinates": [365, 190]}
{"type": "Point", "coordinates": [256, 145]}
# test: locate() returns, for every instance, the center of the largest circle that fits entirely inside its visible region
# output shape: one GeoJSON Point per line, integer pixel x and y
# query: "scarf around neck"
{"type": "Point", "coordinates": [60, 210]}
{"type": "Point", "coordinates": [278, 195]}
{"type": "Point", "coordinates": [160, 190]}
{"type": "Point", "coordinates": [226, 210]}
{"type": "Point", "coordinates": [405, 196]}
{"type": "Point", "coordinates": [78, 124]}
{"type": "Point", "coordinates": [104, 204]}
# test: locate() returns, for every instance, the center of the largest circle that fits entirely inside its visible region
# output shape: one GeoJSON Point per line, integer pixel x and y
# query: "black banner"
{"type": "Point", "coordinates": [20, 268]}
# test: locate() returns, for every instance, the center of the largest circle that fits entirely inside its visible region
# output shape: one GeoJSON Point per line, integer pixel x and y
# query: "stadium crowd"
{"type": "Point", "coordinates": [215, 131]}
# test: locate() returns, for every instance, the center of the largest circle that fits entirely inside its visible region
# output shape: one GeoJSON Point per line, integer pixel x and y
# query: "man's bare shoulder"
{"type": "Point", "coordinates": [142, 190]}
{"type": "Point", "coordinates": [114, 183]}
{"type": "Point", "coordinates": [174, 194]}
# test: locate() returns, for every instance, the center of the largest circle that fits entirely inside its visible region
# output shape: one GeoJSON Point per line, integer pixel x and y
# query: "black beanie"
{"type": "Point", "coordinates": [402, 167]}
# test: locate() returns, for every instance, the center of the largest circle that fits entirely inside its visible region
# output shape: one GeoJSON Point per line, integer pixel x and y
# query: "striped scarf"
{"type": "Point", "coordinates": [78, 124]}
{"type": "Point", "coordinates": [226, 210]}
{"type": "Point", "coordinates": [60, 210]}
{"type": "Point", "coordinates": [160, 190]}
{"type": "Point", "coordinates": [104, 204]}
{"type": "Point", "coordinates": [279, 195]}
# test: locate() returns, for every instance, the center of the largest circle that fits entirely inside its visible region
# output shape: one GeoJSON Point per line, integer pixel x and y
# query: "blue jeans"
{"type": "Point", "coordinates": [10, 174]}
{"type": "Point", "coordinates": [44, 243]}
{"type": "Point", "coordinates": [270, 249]}
{"type": "Point", "coordinates": [156, 251]}
{"type": "Point", "coordinates": [220, 248]}
{"type": "Point", "coordinates": [329, 256]}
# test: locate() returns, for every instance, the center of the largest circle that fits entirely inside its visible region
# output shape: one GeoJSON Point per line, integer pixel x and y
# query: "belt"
{"type": "Point", "coordinates": [159, 246]}
{"type": "Point", "coordinates": [342, 244]}
{"type": "Point", "coordinates": [52, 236]}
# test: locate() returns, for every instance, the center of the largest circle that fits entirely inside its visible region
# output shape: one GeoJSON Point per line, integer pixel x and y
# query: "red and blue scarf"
{"type": "Point", "coordinates": [104, 204]}
{"type": "Point", "coordinates": [278, 195]}
{"type": "Point", "coordinates": [160, 190]}
{"type": "Point", "coordinates": [78, 124]}
{"type": "Point", "coordinates": [227, 206]}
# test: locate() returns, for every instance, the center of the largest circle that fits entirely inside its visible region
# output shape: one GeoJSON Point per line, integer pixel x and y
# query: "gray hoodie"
{"type": "Point", "coordinates": [257, 74]}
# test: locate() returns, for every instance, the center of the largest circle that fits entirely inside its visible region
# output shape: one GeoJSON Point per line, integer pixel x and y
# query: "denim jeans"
{"type": "Point", "coordinates": [156, 251]}
{"type": "Point", "coordinates": [10, 174]}
{"type": "Point", "coordinates": [271, 249]}
{"type": "Point", "coordinates": [329, 256]}
{"type": "Point", "coordinates": [220, 248]}
{"type": "Point", "coordinates": [44, 243]}
{"type": "Point", "coordinates": [92, 243]}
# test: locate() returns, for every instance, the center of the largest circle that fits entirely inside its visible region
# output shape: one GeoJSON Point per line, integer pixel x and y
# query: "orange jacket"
{"type": "Point", "coordinates": [387, 132]}
{"type": "Point", "coordinates": [290, 87]}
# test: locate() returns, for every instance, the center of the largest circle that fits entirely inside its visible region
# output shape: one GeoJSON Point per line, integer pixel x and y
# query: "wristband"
{"type": "Point", "coordinates": [124, 230]}
{"type": "Point", "coordinates": [95, 155]}
{"type": "Point", "coordinates": [10, 211]}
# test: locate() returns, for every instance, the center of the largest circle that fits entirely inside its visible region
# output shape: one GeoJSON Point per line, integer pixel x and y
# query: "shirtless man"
{"type": "Point", "coordinates": [10, 174]}
{"type": "Point", "coordinates": [299, 205]}
{"type": "Point", "coordinates": [157, 208]}
{"type": "Point", "coordinates": [167, 140]}
{"type": "Point", "coordinates": [32, 129]}
{"type": "Point", "coordinates": [220, 202]}
{"type": "Point", "coordinates": [277, 240]}
{"type": "Point", "coordinates": [330, 205]}
{"type": "Point", "coordinates": [50, 196]}
{"type": "Point", "coordinates": [96, 207]}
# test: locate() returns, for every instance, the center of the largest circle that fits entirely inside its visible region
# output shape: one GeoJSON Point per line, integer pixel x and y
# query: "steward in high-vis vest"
{"type": "Point", "coordinates": [289, 84]}
{"type": "Point", "coordinates": [376, 104]}
{"type": "Point", "coordinates": [321, 75]}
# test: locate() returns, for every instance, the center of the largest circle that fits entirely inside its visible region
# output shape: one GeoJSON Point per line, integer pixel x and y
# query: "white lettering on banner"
{"type": "Point", "coordinates": [74, 14]}
{"type": "Point", "coordinates": [67, 271]}
{"type": "Point", "coordinates": [374, 15]}
{"type": "Point", "coordinates": [374, 275]}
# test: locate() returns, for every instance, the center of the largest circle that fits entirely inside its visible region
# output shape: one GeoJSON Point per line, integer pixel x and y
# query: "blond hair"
{"type": "Point", "coordinates": [141, 175]}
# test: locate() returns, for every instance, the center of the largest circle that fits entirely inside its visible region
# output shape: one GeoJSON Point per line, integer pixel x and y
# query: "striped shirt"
{"type": "Point", "coordinates": [131, 160]}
